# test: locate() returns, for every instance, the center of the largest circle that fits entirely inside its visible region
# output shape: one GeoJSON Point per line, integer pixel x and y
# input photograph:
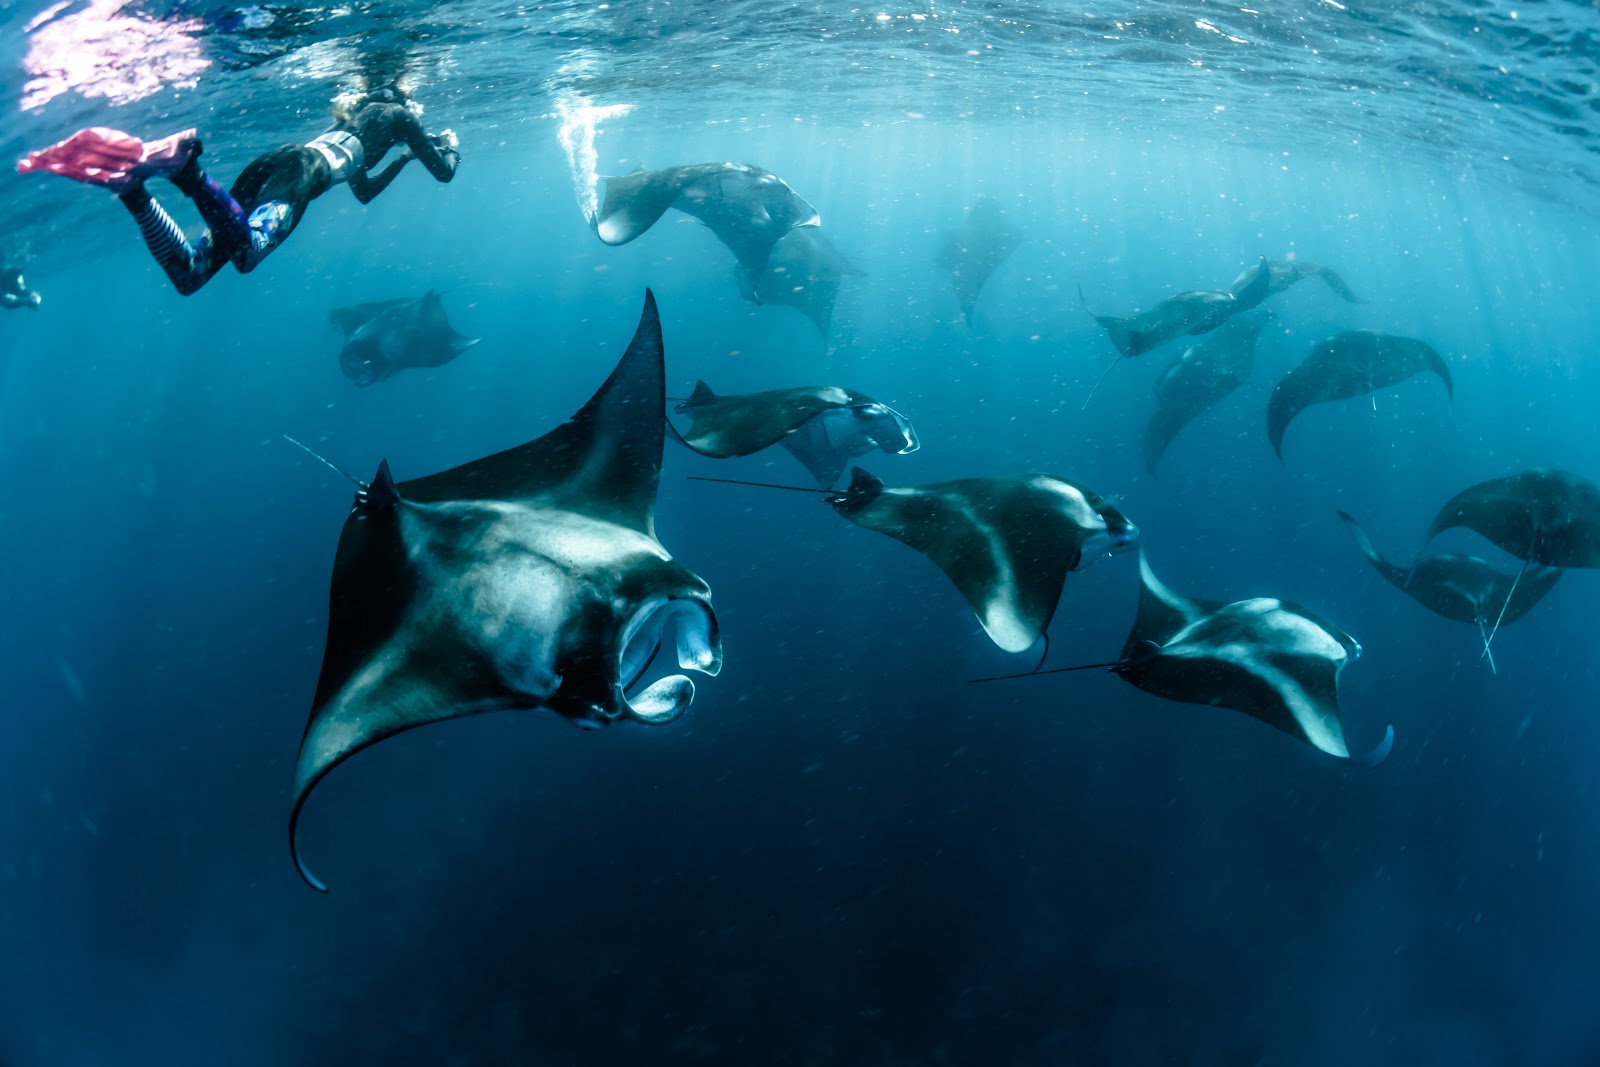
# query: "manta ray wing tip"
{"type": "Point", "coordinates": [1379, 753]}
{"type": "Point", "coordinates": [294, 852]}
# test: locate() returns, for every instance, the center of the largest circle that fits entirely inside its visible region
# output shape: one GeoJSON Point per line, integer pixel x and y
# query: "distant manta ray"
{"type": "Point", "coordinates": [1268, 658]}
{"type": "Point", "coordinates": [528, 579]}
{"type": "Point", "coordinates": [1353, 363]}
{"type": "Point", "coordinates": [749, 209]}
{"type": "Point", "coordinates": [804, 271]}
{"type": "Point", "coordinates": [975, 250]}
{"type": "Point", "coordinates": [1462, 588]}
{"type": "Point", "coordinates": [1194, 312]}
{"type": "Point", "coordinates": [1281, 274]}
{"type": "Point", "coordinates": [1198, 379]}
{"type": "Point", "coordinates": [822, 426]}
{"type": "Point", "coordinates": [383, 338]}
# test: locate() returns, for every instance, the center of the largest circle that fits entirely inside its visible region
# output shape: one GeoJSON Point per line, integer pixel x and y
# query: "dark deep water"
{"type": "Point", "coordinates": [843, 853]}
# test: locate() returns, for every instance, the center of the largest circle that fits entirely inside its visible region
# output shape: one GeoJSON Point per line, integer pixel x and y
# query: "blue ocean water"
{"type": "Point", "coordinates": [843, 853]}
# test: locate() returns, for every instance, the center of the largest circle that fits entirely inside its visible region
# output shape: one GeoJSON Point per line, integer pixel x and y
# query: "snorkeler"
{"type": "Point", "coordinates": [14, 291]}
{"type": "Point", "coordinates": [271, 193]}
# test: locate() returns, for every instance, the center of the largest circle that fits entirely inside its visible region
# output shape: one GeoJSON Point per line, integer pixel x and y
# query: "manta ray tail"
{"type": "Point", "coordinates": [319, 457]}
{"type": "Point", "coordinates": [1487, 651]}
{"type": "Point", "coordinates": [1333, 281]}
{"type": "Point", "coordinates": [1098, 380]}
{"type": "Point", "coordinates": [1142, 651]}
{"type": "Point", "coordinates": [1506, 603]}
{"type": "Point", "coordinates": [762, 485]}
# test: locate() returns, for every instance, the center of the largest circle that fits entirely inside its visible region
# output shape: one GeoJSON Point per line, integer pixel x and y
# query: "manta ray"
{"type": "Point", "coordinates": [1281, 274]}
{"type": "Point", "coordinates": [1462, 588]}
{"type": "Point", "coordinates": [1196, 312]}
{"type": "Point", "coordinates": [1007, 543]}
{"type": "Point", "coordinates": [1268, 658]}
{"type": "Point", "coordinates": [1199, 379]}
{"type": "Point", "coordinates": [1353, 363]}
{"type": "Point", "coordinates": [1541, 516]}
{"type": "Point", "coordinates": [383, 338]}
{"type": "Point", "coordinates": [975, 250]}
{"type": "Point", "coordinates": [749, 209]}
{"type": "Point", "coordinates": [529, 579]}
{"type": "Point", "coordinates": [803, 271]}
{"type": "Point", "coordinates": [822, 426]}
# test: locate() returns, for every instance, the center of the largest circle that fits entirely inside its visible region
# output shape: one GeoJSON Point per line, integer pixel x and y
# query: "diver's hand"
{"type": "Point", "coordinates": [446, 142]}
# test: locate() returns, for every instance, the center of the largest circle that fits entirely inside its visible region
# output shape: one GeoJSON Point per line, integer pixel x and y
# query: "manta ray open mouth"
{"type": "Point", "coordinates": [697, 649]}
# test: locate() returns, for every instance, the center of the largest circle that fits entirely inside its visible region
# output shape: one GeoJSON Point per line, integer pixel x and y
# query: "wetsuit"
{"type": "Point", "coordinates": [14, 292]}
{"type": "Point", "coordinates": [270, 195]}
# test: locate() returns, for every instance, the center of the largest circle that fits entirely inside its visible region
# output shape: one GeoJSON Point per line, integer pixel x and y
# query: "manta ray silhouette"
{"type": "Point", "coordinates": [1281, 274]}
{"type": "Point", "coordinates": [1353, 363]}
{"type": "Point", "coordinates": [748, 209]}
{"type": "Point", "coordinates": [531, 578]}
{"type": "Point", "coordinates": [1201, 377]}
{"type": "Point", "coordinates": [822, 426]}
{"type": "Point", "coordinates": [1270, 659]}
{"type": "Point", "coordinates": [1540, 515]}
{"type": "Point", "coordinates": [1196, 312]}
{"type": "Point", "coordinates": [388, 336]}
{"type": "Point", "coordinates": [804, 271]}
{"type": "Point", "coordinates": [1462, 588]}
{"type": "Point", "coordinates": [974, 251]}
{"type": "Point", "coordinates": [1006, 542]}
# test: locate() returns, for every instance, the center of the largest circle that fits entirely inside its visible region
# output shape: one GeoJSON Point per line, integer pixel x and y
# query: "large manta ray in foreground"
{"type": "Point", "coordinates": [1353, 363]}
{"type": "Point", "coordinates": [528, 579]}
{"type": "Point", "coordinates": [388, 336]}
{"type": "Point", "coordinates": [822, 426]}
{"type": "Point", "coordinates": [749, 209]}
{"type": "Point", "coordinates": [1272, 660]}
{"type": "Point", "coordinates": [1463, 588]}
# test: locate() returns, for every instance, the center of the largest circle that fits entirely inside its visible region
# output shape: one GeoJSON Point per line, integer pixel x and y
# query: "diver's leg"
{"type": "Point", "coordinates": [188, 266]}
{"type": "Point", "coordinates": [227, 221]}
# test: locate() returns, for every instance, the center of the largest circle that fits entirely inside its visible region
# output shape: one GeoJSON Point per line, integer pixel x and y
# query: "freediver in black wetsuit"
{"type": "Point", "coordinates": [14, 291]}
{"type": "Point", "coordinates": [270, 195]}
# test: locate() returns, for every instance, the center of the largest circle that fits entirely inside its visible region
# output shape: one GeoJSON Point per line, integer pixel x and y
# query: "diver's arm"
{"type": "Point", "coordinates": [437, 153]}
{"type": "Point", "coordinates": [365, 186]}
{"type": "Point", "coordinates": [10, 300]}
